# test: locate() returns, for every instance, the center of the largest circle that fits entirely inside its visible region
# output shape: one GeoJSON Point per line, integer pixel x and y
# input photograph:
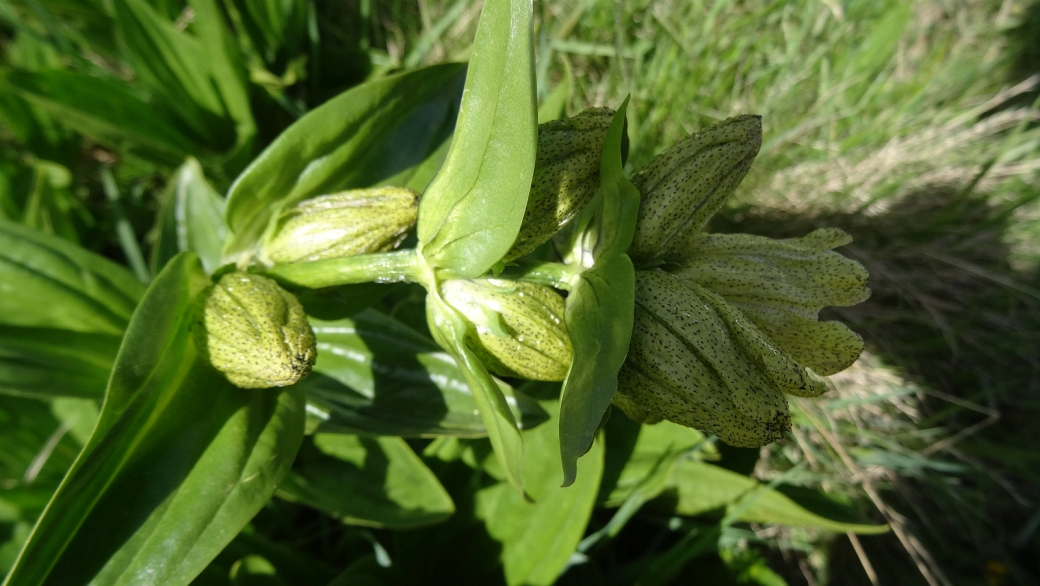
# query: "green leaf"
{"type": "Point", "coordinates": [270, 25]}
{"type": "Point", "coordinates": [471, 213]}
{"type": "Point", "coordinates": [337, 145]}
{"type": "Point", "coordinates": [450, 329]}
{"type": "Point", "coordinates": [697, 487]}
{"type": "Point", "coordinates": [375, 375]}
{"type": "Point", "coordinates": [50, 362]}
{"type": "Point", "coordinates": [640, 458]}
{"type": "Point", "coordinates": [191, 218]}
{"type": "Point", "coordinates": [600, 306]}
{"type": "Point", "coordinates": [226, 72]}
{"type": "Point", "coordinates": [48, 282]}
{"type": "Point", "coordinates": [370, 481]}
{"type": "Point", "coordinates": [177, 67]}
{"type": "Point", "coordinates": [105, 109]}
{"type": "Point", "coordinates": [179, 462]}
{"type": "Point", "coordinates": [539, 535]}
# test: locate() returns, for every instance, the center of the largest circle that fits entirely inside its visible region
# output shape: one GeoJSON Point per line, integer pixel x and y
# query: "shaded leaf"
{"type": "Point", "coordinates": [539, 536]}
{"type": "Point", "coordinates": [105, 109]}
{"type": "Point", "coordinates": [375, 375]}
{"type": "Point", "coordinates": [372, 481]}
{"type": "Point", "coordinates": [697, 487]}
{"type": "Point", "coordinates": [179, 462]}
{"type": "Point", "coordinates": [48, 282]}
{"type": "Point", "coordinates": [51, 362]}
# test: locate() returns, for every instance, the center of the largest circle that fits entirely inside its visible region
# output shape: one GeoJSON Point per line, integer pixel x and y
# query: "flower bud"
{"type": "Point", "coordinates": [686, 363]}
{"type": "Point", "coordinates": [256, 333]}
{"type": "Point", "coordinates": [683, 187]}
{"type": "Point", "coordinates": [348, 223]}
{"type": "Point", "coordinates": [781, 285]}
{"type": "Point", "coordinates": [515, 328]}
{"type": "Point", "coordinates": [566, 176]}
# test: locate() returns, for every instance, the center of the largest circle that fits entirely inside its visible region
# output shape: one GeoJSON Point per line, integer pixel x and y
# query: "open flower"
{"type": "Point", "coordinates": [732, 327]}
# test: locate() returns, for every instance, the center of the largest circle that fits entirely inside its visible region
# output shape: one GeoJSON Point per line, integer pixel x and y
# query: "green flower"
{"type": "Point", "coordinates": [781, 285]}
{"type": "Point", "coordinates": [694, 360]}
{"type": "Point", "coordinates": [515, 328]}
{"type": "Point", "coordinates": [683, 187]}
{"type": "Point", "coordinates": [348, 223]}
{"type": "Point", "coordinates": [718, 343]}
{"type": "Point", "coordinates": [566, 176]}
{"type": "Point", "coordinates": [256, 333]}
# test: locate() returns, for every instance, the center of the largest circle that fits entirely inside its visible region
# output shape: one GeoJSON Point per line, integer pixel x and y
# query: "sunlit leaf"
{"type": "Point", "coordinates": [179, 462]}
{"type": "Point", "coordinates": [471, 213]}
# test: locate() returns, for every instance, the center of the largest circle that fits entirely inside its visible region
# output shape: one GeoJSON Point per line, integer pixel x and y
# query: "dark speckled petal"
{"type": "Point", "coordinates": [256, 333]}
{"type": "Point", "coordinates": [566, 176]}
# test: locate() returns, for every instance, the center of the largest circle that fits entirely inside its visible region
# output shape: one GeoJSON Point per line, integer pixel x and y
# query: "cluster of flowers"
{"type": "Point", "coordinates": [725, 325]}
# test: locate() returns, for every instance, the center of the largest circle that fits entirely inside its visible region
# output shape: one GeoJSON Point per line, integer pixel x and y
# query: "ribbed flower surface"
{"type": "Point", "coordinates": [515, 328]}
{"type": "Point", "coordinates": [348, 223]}
{"type": "Point", "coordinates": [256, 333]}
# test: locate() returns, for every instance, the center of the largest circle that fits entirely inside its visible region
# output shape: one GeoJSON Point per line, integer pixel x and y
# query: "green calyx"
{"type": "Point", "coordinates": [685, 185]}
{"type": "Point", "coordinates": [349, 223]}
{"type": "Point", "coordinates": [515, 328]}
{"type": "Point", "coordinates": [255, 332]}
{"type": "Point", "coordinates": [566, 176]}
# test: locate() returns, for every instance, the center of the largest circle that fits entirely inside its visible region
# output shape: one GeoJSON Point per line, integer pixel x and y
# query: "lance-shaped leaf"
{"type": "Point", "coordinates": [375, 375]}
{"type": "Point", "coordinates": [49, 282]}
{"type": "Point", "coordinates": [175, 65]}
{"type": "Point", "coordinates": [449, 328]}
{"type": "Point", "coordinates": [63, 311]}
{"type": "Point", "coordinates": [227, 72]}
{"type": "Point", "coordinates": [539, 536]}
{"type": "Point", "coordinates": [471, 213]}
{"type": "Point", "coordinates": [640, 458]}
{"type": "Point", "coordinates": [697, 487]}
{"type": "Point", "coordinates": [600, 305]}
{"type": "Point", "coordinates": [348, 142]}
{"type": "Point", "coordinates": [52, 362]}
{"type": "Point", "coordinates": [179, 462]}
{"type": "Point", "coordinates": [191, 218]}
{"type": "Point", "coordinates": [369, 481]}
{"type": "Point", "coordinates": [105, 109]}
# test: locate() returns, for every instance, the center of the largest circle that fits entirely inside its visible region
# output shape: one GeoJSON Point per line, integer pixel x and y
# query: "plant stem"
{"type": "Point", "coordinates": [390, 267]}
{"type": "Point", "coordinates": [554, 274]}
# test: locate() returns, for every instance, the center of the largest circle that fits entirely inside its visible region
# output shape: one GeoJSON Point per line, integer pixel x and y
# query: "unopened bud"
{"type": "Point", "coordinates": [256, 333]}
{"type": "Point", "coordinates": [686, 364]}
{"type": "Point", "coordinates": [348, 223]}
{"type": "Point", "coordinates": [781, 285]}
{"type": "Point", "coordinates": [566, 176]}
{"type": "Point", "coordinates": [515, 328]}
{"type": "Point", "coordinates": [683, 187]}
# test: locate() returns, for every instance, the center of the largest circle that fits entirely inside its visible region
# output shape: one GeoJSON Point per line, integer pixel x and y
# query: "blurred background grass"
{"type": "Point", "coordinates": [911, 125]}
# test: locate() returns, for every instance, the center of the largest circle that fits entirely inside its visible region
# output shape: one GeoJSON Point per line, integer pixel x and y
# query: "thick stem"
{"type": "Point", "coordinates": [553, 274]}
{"type": "Point", "coordinates": [390, 267]}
